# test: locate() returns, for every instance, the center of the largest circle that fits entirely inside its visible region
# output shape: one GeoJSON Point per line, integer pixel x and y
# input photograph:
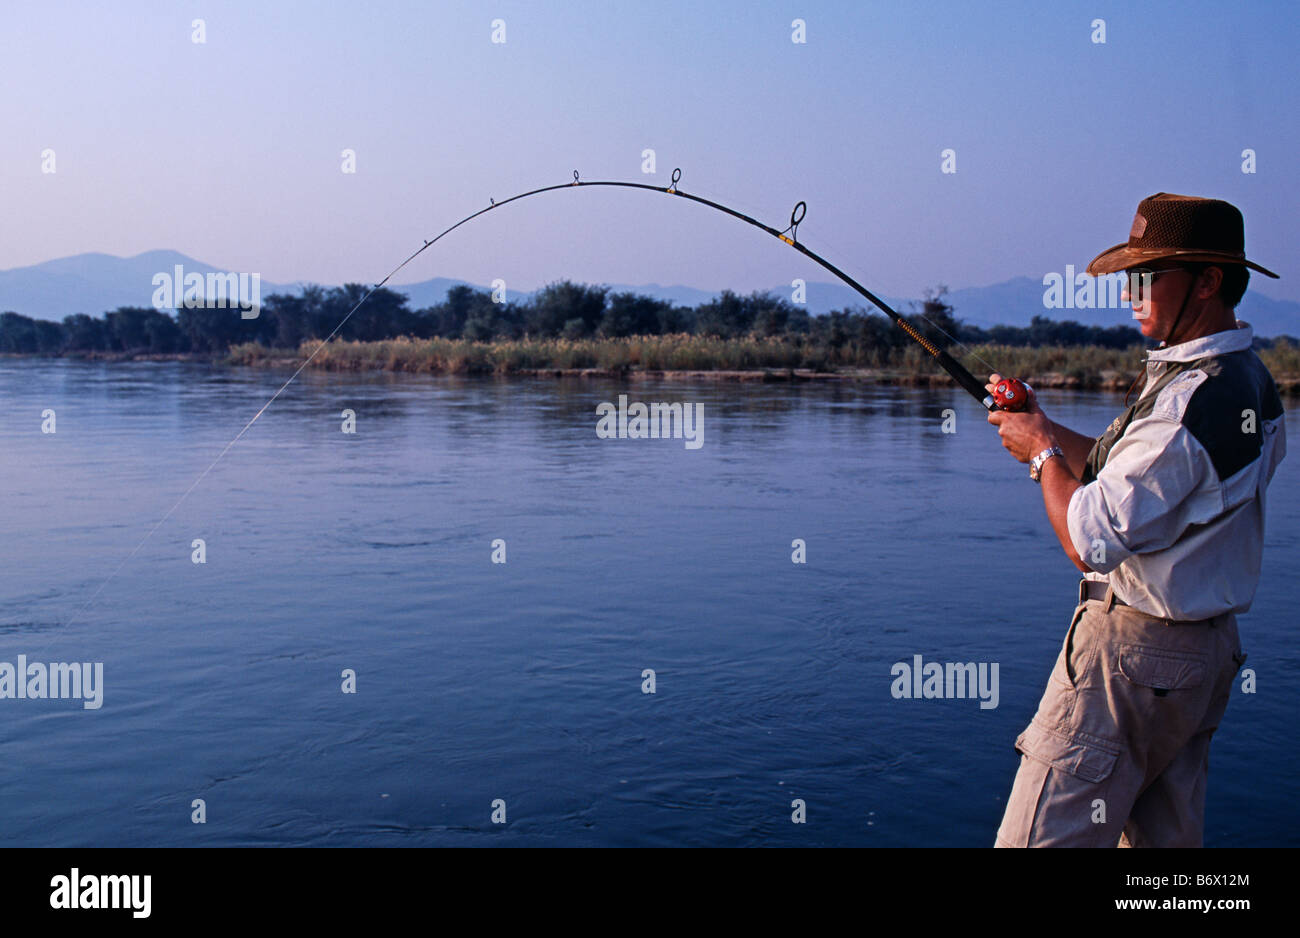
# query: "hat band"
{"type": "Point", "coordinates": [1173, 252]}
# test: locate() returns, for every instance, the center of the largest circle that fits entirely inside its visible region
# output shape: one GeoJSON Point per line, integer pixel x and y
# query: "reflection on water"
{"type": "Point", "coordinates": [523, 681]}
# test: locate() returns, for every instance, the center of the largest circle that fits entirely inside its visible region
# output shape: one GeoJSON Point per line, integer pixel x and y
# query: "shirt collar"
{"type": "Point", "coordinates": [1218, 343]}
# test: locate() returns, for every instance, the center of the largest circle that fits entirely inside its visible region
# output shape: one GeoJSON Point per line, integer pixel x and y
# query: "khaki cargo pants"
{"type": "Point", "coordinates": [1119, 750]}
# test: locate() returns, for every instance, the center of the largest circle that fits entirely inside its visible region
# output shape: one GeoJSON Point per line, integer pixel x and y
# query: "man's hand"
{"type": "Point", "coordinates": [1026, 433]}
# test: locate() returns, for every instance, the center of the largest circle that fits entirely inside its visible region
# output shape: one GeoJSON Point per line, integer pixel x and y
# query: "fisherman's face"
{"type": "Point", "coordinates": [1160, 291]}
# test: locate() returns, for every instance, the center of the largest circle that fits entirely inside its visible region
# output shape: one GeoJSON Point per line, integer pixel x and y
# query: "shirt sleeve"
{"type": "Point", "coordinates": [1157, 480]}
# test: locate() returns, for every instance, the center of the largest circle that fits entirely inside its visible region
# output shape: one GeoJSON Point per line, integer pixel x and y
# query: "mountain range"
{"type": "Point", "coordinates": [94, 283]}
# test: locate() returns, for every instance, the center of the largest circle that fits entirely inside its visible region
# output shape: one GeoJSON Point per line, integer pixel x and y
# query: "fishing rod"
{"type": "Point", "coordinates": [1009, 394]}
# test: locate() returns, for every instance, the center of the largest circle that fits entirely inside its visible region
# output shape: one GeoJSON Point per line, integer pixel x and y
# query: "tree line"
{"type": "Point", "coordinates": [559, 310]}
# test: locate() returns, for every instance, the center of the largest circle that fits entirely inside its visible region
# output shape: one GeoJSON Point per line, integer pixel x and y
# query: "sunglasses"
{"type": "Point", "coordinates": [1142, 279]}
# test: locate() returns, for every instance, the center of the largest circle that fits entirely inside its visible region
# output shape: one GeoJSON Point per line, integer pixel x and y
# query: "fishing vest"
{"type": "Point", "coordinates": [1234, 382]}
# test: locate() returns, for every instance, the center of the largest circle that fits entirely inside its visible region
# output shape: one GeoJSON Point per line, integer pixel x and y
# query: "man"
{"type": "Point", "coordinates": [1164, 514]}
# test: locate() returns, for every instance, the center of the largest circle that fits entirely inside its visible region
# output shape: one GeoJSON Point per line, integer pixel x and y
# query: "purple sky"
{"type": "Point", "coordinates": [230, 150]}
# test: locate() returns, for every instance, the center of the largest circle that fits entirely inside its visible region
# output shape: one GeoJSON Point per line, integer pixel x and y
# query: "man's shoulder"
{"type": "Point", "coordinates": [1223, 401]}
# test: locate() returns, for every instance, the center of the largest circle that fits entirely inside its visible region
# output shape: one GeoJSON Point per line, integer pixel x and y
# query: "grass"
{"type": "Point", "coordinates": [1074, 366]}
{"type": "Point", "coordinates": [460, 356]}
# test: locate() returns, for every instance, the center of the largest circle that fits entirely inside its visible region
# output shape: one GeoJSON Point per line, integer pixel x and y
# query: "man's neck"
{"type": "Point", "coordinates": [1208, 323]}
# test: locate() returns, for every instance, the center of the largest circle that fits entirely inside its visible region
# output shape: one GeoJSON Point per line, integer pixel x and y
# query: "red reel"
{"type": "Point", "coordinates": [1011, 394]}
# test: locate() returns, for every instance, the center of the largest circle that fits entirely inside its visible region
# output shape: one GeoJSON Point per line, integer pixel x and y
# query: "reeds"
{"type": "Point", "coordinates": [1085, 366]}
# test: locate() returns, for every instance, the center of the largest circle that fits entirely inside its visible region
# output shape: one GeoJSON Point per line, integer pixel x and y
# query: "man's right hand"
{"type": "Point", "coordinates": [1076, 445]}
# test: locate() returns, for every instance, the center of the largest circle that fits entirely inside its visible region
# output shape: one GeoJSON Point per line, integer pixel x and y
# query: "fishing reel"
{"type": "Point", "coordinates": [1011, 394]}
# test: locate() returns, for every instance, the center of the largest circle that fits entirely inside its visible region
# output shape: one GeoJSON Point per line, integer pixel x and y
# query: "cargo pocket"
{"type": "Point", "coordinates": [1055, 794]}
{"type": "Point", "coordinates": [1090, 760]}
{"type": "Point", "coordinates": [1161, 669]}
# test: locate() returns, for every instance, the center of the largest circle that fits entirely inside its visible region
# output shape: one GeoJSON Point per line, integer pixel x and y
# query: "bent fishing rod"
{"type": "Point", "coordinates": [1009, 394]}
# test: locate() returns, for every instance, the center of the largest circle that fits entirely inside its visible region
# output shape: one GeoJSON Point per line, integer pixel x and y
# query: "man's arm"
{"type": "Point", "coordinates": [1025, 435]}
{"type": "Point", "coordinates": [1028, 433]}
{"type": "Point", "coordinates": [1076, 447]}
{"type": "Point", "coordinates": [1158, 480]}
{"type": "Point", "coordinates": [1059, 485]}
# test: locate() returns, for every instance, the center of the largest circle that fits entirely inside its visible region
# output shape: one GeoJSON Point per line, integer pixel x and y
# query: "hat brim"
{"type": "Point", "coordinates": [1122, 257]}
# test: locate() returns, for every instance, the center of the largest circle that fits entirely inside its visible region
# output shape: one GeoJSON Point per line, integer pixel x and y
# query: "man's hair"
{"type": "Point", "coordinates": [1233, 286]}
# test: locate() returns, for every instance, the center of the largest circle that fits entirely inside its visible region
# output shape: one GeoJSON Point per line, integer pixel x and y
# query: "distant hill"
{"type": "Point", "coordinates": [1015, 302]}
{"type": "Point", "coordinates": [94, 283]}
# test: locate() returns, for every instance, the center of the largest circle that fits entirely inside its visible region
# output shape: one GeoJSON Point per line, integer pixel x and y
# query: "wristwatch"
{"type": "Point", "coordinates": [1036, 464]}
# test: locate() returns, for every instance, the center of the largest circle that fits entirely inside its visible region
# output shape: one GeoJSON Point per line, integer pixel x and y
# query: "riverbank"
{"type": "Point", "coordinates": [747, 359]}
{"type": "Point", "coordinates": [672, 357]}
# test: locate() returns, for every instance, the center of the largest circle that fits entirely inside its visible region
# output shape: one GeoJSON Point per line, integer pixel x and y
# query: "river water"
{"type": "Point", "coordinates": [517, 687]}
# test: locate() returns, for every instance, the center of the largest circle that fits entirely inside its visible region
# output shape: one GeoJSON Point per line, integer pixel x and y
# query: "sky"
{"type": "Point", "coordinates": [230, 150]}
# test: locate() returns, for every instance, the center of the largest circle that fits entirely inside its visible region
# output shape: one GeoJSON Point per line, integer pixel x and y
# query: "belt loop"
{"type": "Point", "coordinates": [1083, 591]}
{"type": "Point", "coordinates": [1110, 597]}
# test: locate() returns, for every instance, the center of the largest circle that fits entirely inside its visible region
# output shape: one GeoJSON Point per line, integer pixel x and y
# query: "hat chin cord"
{"type": "Point", "coordinates": [1182, 309]}
{"type": "Point", "coordinates": [1169, 335]}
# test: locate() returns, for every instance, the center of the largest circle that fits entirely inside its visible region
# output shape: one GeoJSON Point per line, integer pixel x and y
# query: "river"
{"type": "Point", "coordinates": [516, 688]}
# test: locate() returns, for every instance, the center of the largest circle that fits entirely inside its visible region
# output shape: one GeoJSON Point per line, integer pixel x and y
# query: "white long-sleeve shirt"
{"type": "Point", "coordinates": [1172, 509]}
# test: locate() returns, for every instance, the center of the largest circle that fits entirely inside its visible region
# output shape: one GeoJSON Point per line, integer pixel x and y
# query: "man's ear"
{"type": "Point", "coordinates": [1208, 281]}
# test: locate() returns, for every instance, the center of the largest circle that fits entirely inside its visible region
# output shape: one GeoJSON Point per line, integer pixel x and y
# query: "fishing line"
{"type": "Point", "coordinates": [789, 235]}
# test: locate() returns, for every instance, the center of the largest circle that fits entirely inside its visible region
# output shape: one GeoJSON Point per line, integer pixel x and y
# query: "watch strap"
{"type": "Point", "coordinates": [1037, 463]}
